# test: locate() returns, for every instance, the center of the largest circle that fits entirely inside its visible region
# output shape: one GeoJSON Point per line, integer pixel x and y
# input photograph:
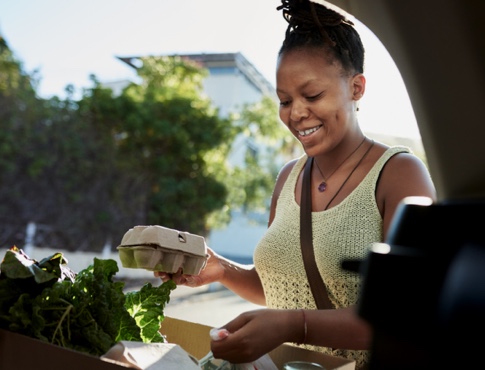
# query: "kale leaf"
{"type": "Point", "coordinates": [87, 311]}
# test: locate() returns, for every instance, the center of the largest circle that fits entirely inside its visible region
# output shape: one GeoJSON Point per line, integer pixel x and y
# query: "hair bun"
{"type": "Point", "coordinates": [306, 15]}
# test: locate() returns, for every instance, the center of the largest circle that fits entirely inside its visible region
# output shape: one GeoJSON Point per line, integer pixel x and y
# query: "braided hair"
{"type": "Point", "coordinates": [313, 25]}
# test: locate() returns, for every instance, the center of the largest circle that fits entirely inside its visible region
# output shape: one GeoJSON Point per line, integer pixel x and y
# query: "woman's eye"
{"type": "Point", "coordinates": [314, 97]}
{"type": "Point", "coordinates": [284, 103]}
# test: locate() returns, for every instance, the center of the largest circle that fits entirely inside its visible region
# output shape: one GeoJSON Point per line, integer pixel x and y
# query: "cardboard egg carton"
{"type": "Point", "coordinates": [157, 248]}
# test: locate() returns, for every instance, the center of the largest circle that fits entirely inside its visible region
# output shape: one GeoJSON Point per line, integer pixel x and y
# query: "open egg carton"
{"type": "Point", "coordinates": [157, 248]}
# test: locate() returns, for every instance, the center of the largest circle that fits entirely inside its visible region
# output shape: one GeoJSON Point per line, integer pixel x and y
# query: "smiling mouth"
{"type": "Point", "coordinates": [309, 131]}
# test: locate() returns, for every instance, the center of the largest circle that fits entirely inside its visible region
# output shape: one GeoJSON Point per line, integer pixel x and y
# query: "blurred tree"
{"type": "Point", "coordinates": [269, 147]}
{"type": "Point", "coordinates": [164, 134]}
{"type": "Point", "coordinates": [21, 119]}
{"type": "Point", "coordinates": [156, 154]}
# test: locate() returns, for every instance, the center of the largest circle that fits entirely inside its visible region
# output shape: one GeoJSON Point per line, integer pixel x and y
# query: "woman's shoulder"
{"type": "Point", "coordinates": [281, 180]}
{"type": "Point", "coordinates": [405, 174]}
{"type": "Point", "coordinates": [285, 173]}
{"type": "Point", "coordinates": [401, 157]}
{"type": "Point", "coordinates": [288, 167]}
{"type": "Point", "coordinates": [390, 156]}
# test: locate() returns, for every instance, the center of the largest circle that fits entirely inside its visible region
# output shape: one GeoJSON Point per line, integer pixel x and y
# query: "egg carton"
{"type": "Point", "coordinates": [157, 248]}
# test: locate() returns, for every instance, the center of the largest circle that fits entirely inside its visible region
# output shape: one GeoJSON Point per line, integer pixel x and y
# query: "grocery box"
{"type": "Point", "coordinates": [18, 352]}
{"type": "Point", "coordinates": [194, 338]}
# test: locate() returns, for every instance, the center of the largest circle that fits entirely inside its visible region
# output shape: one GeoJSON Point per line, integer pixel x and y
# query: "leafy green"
{"type": "Point", "coordinates": [87, 312]}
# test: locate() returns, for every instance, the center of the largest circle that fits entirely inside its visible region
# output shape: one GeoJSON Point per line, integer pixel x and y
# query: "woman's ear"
{"type": "Point", "coordinates": [358, 85]}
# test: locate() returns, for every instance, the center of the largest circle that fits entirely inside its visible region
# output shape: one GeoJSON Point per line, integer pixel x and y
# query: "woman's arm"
{"type": "Point", "coordinates": [242, 280]}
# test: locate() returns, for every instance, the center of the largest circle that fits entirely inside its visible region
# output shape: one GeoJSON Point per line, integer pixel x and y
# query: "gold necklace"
{"type": "Point", "coordinates": [350, 174]}
{"type": "Point", "coordinates": [323, 185]}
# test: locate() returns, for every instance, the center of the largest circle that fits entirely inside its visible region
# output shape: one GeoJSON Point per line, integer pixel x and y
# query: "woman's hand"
{"type": "Point", "coordinates": [211, 273]}
{"type": "Point", "coordinates": [255, 333]}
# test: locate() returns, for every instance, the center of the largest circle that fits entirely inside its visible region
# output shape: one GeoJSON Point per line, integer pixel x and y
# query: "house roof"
{"type": "Point", "coordinates": [218, 60]}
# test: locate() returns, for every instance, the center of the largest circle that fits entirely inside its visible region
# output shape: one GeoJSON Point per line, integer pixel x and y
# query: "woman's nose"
{"type": "Point", "coordinates": [298, 112]}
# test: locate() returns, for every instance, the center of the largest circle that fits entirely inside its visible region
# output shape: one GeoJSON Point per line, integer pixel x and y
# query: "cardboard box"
{"type": "Point", "coordinates": [194, 338]}
{"type": "Point", "coordinates": [18, 352]}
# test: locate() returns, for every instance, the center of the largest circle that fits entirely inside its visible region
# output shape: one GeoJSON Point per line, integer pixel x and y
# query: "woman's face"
{"type": "Point", "coordinates": [317, 99]}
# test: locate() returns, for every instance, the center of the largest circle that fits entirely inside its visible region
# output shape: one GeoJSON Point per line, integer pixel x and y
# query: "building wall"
{"type": "Point", "coordinates": [230, 89]}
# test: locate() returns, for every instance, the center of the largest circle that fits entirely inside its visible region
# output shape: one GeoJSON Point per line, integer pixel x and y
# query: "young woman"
{"type": "Point", "coordinates": [356, 185]}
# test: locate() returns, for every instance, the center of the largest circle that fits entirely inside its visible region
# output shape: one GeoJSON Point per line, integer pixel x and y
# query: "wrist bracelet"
{"type": "Point", "coordinates": [305, 327]}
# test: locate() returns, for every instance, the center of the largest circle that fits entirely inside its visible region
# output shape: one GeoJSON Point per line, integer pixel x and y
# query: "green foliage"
{"type": "Point", "coordinates": [88, 311]}
{"type": "Point", "coordinates": [164, 129]}
{"type": "Point", "coordinates": [156, 154]}
{"type": "Point", "coordinates": [18, 111]}
{"type": "Point", "coordinates": [252, 183]}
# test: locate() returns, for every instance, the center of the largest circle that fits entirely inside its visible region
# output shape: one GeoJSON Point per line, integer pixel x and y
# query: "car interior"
{"type": "Point", "coordinates": [424, 288]}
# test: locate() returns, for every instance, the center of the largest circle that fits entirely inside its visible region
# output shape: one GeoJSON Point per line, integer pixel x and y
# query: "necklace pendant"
{"type": "Point", "coordinates": [322, 187]}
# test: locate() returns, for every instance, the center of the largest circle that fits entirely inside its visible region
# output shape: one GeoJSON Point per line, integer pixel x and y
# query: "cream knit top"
{"type": "Point", "coordinates": [342, 232]}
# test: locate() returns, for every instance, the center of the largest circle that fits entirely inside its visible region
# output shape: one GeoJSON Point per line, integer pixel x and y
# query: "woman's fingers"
{"type": "Point", "coordinates": [162, 275]}
{"type": "Point", "coordinates": [178, 277]}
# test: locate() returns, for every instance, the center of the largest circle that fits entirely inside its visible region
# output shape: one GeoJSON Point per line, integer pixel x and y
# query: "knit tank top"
{"type": "Point", "coordinates": [345, 231]}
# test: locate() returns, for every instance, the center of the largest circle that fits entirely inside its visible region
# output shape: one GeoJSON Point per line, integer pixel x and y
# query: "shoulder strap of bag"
{"type": "Point", "coordinates": [315, 280]}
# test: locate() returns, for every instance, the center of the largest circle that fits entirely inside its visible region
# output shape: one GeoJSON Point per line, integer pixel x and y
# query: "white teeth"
{"type": "Point", "coordinates": [309, 131]}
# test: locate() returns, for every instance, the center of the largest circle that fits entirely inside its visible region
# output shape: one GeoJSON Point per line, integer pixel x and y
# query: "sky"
{"type": "Point", "coordinates": [66, 41]}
